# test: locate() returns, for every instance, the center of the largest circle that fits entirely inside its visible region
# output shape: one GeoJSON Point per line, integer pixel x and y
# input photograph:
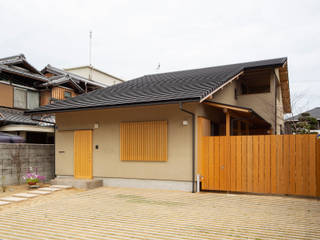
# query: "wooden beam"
{"type": "Point", "coordinates": [219, 105]}
{"type": "Point", "coordinates": [227, 123]}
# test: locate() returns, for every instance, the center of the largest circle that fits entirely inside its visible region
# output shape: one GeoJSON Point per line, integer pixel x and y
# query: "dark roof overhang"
{"type": "Point", "coordinates": [31, 112]}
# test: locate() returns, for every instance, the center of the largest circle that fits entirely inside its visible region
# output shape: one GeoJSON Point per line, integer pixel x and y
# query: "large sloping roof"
{"type": "Point", "coordinates": [188, 85]}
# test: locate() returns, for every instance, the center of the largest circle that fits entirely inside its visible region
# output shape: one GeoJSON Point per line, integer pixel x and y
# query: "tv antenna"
{"type": "Point", "coordinates": [90, 54]}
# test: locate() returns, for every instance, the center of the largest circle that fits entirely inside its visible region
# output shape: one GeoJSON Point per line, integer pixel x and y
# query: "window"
{"type": "Point", "coordinates": [25, 99]}
{"type": "Point", "coordinates": [67, 94]}
{"type": "Point", "coordinates": [32, 99]}
{"type": "Point", "coordinates": [20, 98]}
{"type": "Point", "coordinates": [143, 141]}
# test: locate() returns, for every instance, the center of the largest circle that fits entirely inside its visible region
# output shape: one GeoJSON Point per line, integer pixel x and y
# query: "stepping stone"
{"type": "Point", "coordinates": [25, 195]}
{"type": "Point", "coordinates": [61, 186]}
{"type": "Point", "coordinates": [39, 192]}
{"type": "Point", "coordinates": [49, 189]}
{"type": "Point", "coordinates": [3, 203]}
{"type": "Point", "coordinates": [13, 199]}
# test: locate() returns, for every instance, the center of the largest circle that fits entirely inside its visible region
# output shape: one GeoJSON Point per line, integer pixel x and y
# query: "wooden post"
{"type": "Point", "coordinates": [227, 122]}
{"type": "Point", "coordinates": [247, 128]}
{"type": "Point", "coordinates": [239, 127]}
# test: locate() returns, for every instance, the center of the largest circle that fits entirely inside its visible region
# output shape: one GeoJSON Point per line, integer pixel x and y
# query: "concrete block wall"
{"type": "Point", "coordinates": [39, 157]}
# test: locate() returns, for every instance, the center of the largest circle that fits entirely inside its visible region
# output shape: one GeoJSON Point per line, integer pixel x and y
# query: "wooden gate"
{"type": "Point", "coordinates": [275, 164]}
{"type": "Point", "coordinates": [83, 154]}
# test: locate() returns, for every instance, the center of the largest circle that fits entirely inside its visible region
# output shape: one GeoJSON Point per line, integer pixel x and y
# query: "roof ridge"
{"type": "Point", "coordinates": [218, 66]}
{"type": "Point", "coordinates": [21, 55]}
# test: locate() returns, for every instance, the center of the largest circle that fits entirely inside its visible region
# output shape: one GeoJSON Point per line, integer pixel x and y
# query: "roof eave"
{"type": "Point", "coordinates": [30, 112]}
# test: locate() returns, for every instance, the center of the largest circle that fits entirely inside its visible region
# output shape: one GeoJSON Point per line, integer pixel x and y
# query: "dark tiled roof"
{"type": "Point", "coordinates": [164, 87]}
{"type": "Point", "coordinates": [73, 76]}
{"type": "Point", "coordinates": [19, 60]}
{"type": "Point", "coordinates": [22, 72]}
{"type": "Point", "coordinates": [315, 112]}
{"type": "Point", "coordinates": [18, 117]}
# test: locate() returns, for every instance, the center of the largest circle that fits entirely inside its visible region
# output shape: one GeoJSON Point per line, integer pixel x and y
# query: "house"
{"type": "Point", "coordinates": [95, 74]}
{"type": "Point", "coordinates": [23, 87]}
{"type": "Point", "coordinates": [62, 85]}
{"type": "Point", "coordinates": [18, 92]}
{"type": "Point", "coordinates": [143, 132]}
{"type": "Point", "coordinates": [315, 112]}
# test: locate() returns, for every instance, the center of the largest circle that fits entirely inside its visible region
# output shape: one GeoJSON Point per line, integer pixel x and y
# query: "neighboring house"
{"type": "Point", "coordinates": [144, 132]}
{"type": "Point", "coordinates": [94, 74]}
{"type": "Point", "coordinates": [23, 87]}
{"type": "Point", "coordinates": [19, 91]}
{"type": "Point", "coordinates": [315, 112]}
{"type": "Point", "coordinates": [62, 85]}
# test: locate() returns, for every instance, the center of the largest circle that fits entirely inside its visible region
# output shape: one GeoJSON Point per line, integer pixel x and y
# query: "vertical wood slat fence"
{"type": "Point", "coordinates": [274, 164]}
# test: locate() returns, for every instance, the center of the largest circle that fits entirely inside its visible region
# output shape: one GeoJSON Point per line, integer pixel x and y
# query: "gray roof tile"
{"type": "Point", "coordinates": [18, 117]}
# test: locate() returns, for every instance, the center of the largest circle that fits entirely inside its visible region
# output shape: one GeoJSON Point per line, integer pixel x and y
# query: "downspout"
{"type": "Point", "coordinates": [193, 142]}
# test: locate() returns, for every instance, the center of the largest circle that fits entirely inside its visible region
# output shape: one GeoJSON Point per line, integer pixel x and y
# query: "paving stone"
{"type": "Point", "coordinates": [49, 189]}
{"type": "Point", "coordinates": [3, 203]}
{"type": "Point", "coordinates": [40, 192]}
{"type": "Point", "coordinates": [123, 213]}
{"type": "Point", "coordinates": [61, 186]}
{"type": "Point", "coordinates": [13, 199]}
{"type": "Point", "coordinates": [25, 195]}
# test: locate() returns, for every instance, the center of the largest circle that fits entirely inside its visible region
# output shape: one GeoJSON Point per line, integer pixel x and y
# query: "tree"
{"type": "Point", "coordinates": [299, 103]}
{"type": "Point", "coordinates": [305, 123]}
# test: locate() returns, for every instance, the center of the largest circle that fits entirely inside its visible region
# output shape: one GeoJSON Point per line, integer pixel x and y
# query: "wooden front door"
{"type": "Point", "coordinates": [83, 154]}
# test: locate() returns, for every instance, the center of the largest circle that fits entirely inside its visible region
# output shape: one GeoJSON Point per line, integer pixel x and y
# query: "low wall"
{"type": "Point", "coordinates": [18, 159]}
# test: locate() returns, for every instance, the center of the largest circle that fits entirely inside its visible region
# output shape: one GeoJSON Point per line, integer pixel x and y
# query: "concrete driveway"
{"type": "Point", "coordinates": [119, 213]}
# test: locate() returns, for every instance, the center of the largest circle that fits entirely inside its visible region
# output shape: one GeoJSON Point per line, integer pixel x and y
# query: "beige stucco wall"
{"type": "Point", "coordinates": [226, 94]}
{"type": "Point", "coordinates": [64, 152]}
{"type": "Point", "coordinates": [96, 75]}
{"type": "Point", "coordinates": [106, 160]}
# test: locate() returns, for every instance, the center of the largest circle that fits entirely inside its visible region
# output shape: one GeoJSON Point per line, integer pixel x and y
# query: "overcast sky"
{"type": "Point", "coordinates": [130, 38]}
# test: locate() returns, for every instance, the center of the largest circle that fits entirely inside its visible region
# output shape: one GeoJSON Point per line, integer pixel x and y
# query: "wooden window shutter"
{"type": "Point", "coordinates": [144, 141]}
{"type": "Point", "coordinates": [20, 98]}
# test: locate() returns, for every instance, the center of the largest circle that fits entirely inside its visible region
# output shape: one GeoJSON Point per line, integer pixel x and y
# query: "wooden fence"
{"type": "Point", "coordinates": [275, 164]}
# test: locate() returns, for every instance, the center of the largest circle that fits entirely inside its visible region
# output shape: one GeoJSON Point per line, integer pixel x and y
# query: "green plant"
{"type": "Point", "coordinates": [33, 178]}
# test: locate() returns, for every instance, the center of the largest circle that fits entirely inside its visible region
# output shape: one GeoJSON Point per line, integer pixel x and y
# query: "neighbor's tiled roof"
{"type": "Point", "coordinates": [315, 112]}
{"type": "Point", "coordinates": [20, 66]}
{"type": "Point", "coordinates": [21, 72]}
{"type": "Point", "coordinates": [19, 60]}
{"type": "Point", "coordinates": [73, 76]}
{"type": "Point", "coordinates": [164, 87]}
{"type": "Point", "coordinates": [18, 117]}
